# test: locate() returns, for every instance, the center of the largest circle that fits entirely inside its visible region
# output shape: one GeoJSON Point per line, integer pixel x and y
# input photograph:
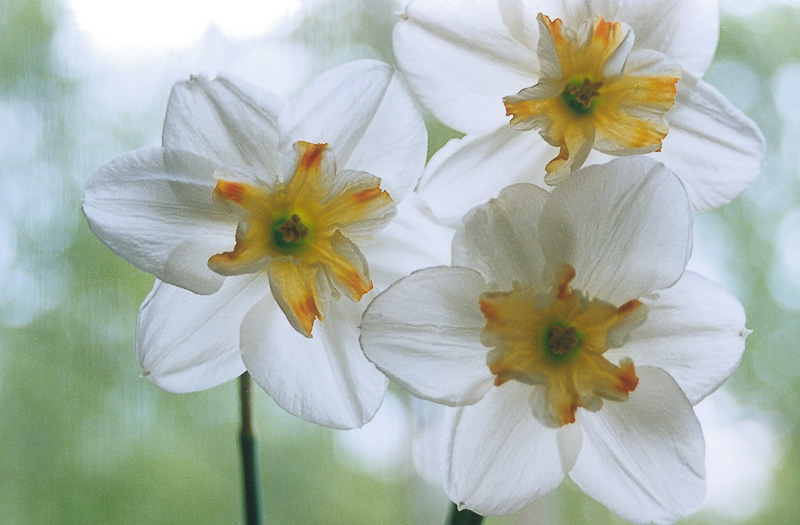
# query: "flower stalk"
{"type": "Point", "coordinates": [253, 506]}
{"type": "Point", "coordinates": [463, 517]}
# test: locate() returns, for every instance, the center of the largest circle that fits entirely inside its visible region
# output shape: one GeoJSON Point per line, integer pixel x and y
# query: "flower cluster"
{"type": "Point", "coordinates": [523, 277]}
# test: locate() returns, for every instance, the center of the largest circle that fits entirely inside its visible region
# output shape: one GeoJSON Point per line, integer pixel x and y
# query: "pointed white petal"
{"type": "Point", "coordinates": [413, 240]}
{"type": "Point", "coordinates": [365, 112]}
{"type": "Point", "coordinates": [154, 208]}
{"type": "Point", "coordinates": [227, 120]}
{"type": "Point", "coordinates": [694, 330]}
{"type": "Point", "coordinates": [643, 458]}
{"type": "Point", "coordinates": [187, 342]}
{"type": "Point", "coordinates": [469, 171]}
{"type": "Point", "coordinates": [499, 458]}
{"type": "Point", "coordinates": [461, 59]}
{"type": "Point", "coordinates": [715, 149]}
{"type": "Point", "coordinates": [499, 238]}
{"type": "Point", "coordinates": [424, 333]}
{"type": "Point", "coordinates": [624, 226]}
{"type": "Point", "coordinates": [325, 379]}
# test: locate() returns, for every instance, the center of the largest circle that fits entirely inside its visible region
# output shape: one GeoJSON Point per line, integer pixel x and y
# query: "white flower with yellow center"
{"type": "Point", "coordinates": [267, 224]}
{"type": "Point", "coordinates": [568, 340]}
{"type": "Point", "coordinates": [592, 79]}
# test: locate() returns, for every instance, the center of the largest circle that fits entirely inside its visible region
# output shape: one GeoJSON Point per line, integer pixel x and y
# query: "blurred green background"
{"type": "Point", "coordinates": [84, 440]}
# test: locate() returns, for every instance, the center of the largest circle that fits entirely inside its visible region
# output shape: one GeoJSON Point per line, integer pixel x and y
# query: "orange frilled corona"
{"type": "Point", "coordinates": [297, 231]}
{"type": "Point", "coordinates": [594, 93]}
{"type": "Point", "coordinates": [557, 340]}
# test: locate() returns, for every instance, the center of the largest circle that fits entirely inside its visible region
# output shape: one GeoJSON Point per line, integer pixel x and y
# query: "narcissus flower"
{"type": "Point", "coordinates": [567, 340]}
{"type": "Point", "coordinates": [592, 79]}
{"type": "Point", "coordinates": [267, 223]}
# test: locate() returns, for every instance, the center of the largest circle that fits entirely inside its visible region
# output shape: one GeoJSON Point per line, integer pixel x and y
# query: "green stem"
{"type": "Point", "coordinates": [253, 507]}
{"type": "Point", "coordinates": [464, 517]}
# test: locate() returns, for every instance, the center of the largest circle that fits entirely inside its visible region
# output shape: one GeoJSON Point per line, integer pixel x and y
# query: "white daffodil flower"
{"type": "Point", "coordinates": [566, 339]}
{"type": "Point", "coordinates": [592, 79]}
{"type": "Point", "coordinates": [256, 216]}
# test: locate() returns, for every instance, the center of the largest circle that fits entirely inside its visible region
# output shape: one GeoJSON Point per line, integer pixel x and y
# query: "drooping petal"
{"type": "Point", "coordinates": [187, 342]}
{"type": "Point", "coordinates": [296, 288]}
{"type": "Point", "coordinates": [325, 380]}
{"type": "Point", "coordinates": [227, 120]}
{"type": "Point", "coordinates": [715, 149]}
{"type": "Point", "coordinates": [461, 59]}
{"type": "Point", "coordinates": [153, 207]}
{"type": "Point", "coordinates": [469, 171]}
{"type": "Point", "coordinates": [499, 458]}
{"type": "Point", "coordinates": [498, 239]}
{"type": "Point", "coordinates": [694, 330]}
{"type": "Point", "coordinates": [643, 458]}
{"type": "Point", "coordinates": [424, 333]}
{"type": "Point", "coordinates": [414, 239]}
{"type": "Point", "coordinates": [684, 30]}
{"type": "Point", "coordinates": [624, 226]}
{"type": "Point", "coordinates": [364, 112]}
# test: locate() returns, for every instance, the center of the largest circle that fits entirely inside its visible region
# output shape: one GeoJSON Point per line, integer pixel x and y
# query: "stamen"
{"type": "Point", "coordinates": [585, 92]}
{"type": "Point", "coordinates": [293, 229]}
{"type": "Point", "coordinates": [562, 340]}
{"type": "Point", "coordinates": [579, 96]}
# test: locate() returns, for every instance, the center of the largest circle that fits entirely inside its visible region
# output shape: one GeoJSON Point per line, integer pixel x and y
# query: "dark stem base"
{"type": "Point", "coordinates": [254, 513]}
{"type": "Point", "coordinates": [464, 517]}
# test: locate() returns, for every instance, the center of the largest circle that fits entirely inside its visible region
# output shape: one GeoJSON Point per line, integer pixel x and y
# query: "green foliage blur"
{"type": "Point", "coordinates": [83, 439]}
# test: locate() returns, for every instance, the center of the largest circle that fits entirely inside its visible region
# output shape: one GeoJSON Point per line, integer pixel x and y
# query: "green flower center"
{"type": "Point", "coordinates": [561, 341]}
{"type": "Point", "coordinates": [290, 232]}
{"type": "Point", "coordinates": [581, 95]}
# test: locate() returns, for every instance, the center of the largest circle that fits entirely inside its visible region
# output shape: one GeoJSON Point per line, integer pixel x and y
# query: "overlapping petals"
{"type": "Point", "coordinates": [271, 209]}
{"type": "Point", "coordinates": [623, 231]}
{"type": "Point", "coordinates": [462, 60]}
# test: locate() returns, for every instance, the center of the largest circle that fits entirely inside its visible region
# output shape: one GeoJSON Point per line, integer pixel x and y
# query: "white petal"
{"type": "Point", "coordinates": [684, 30]}
{"type": "Point", "coordinates": [715, 149]}
{"type": "Point", "coordinates": [187, 342]}
{"type": "Point", "coordinates": [365, 112]}
{"type": "Point", "coordinates": [499, 458]}
{"type": "Point", "coordinates": [499, 238]}
{"type": "Point", "coordinates": [461, 59]}
{"type": "Point", "coordinates": [469, 171]}
{"type": "Point", "coordinates": [695, 331]}
{"type": "Point", "coordinates": [154, 208]}
{"type": "Point", "coordinates": [643, 458]}
{"type": "Point", "coordinates": [424, 333]}
{"type": "Point", "coordinates": [325, 379]}
{"type": "Point", "coordinates": [226, 120]}
{"type": "Point", "coordinates": [413, 240]}
{"type": "Point", "coordinates": [624, 226]}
